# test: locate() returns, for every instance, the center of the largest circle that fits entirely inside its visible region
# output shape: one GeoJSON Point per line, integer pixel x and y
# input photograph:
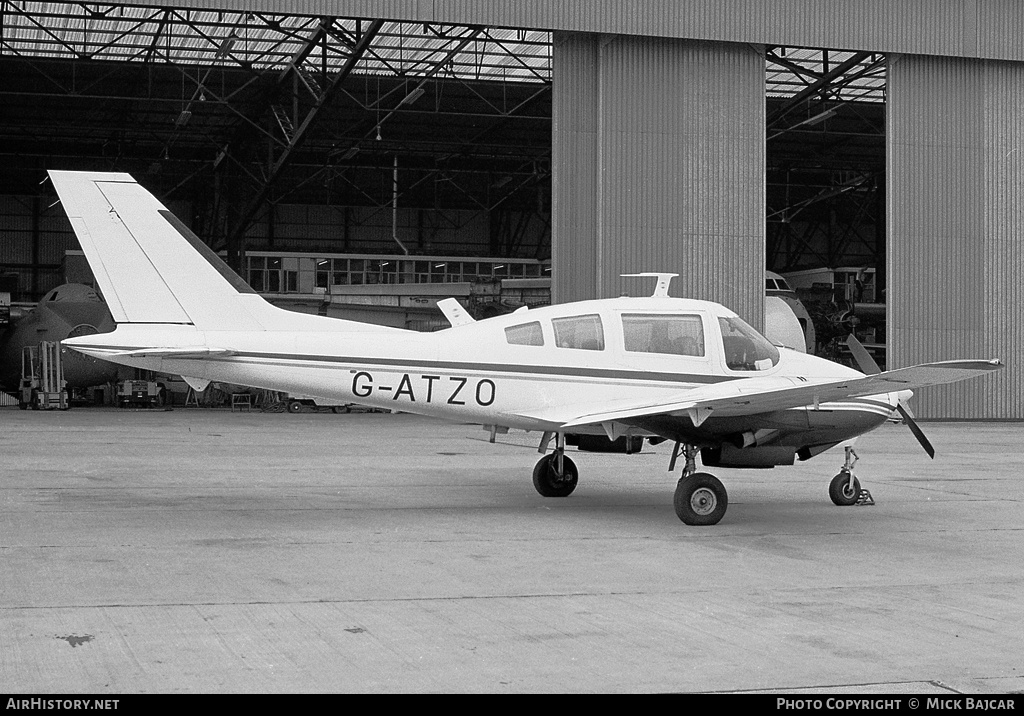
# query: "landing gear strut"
{"type": "Point", "coordinates": [845, 487]}
{"type": "Point", "coordinates": [555, 475]}
{"type": "Point", "coordinates": [700, 497]}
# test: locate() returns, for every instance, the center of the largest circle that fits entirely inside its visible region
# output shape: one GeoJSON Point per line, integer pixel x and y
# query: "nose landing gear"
{"type": "Point", "coordinates": [845, 490]}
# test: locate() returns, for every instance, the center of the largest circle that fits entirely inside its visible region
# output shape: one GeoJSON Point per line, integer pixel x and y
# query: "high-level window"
{"type": "Point", "coordinates": [527, 334]}
{"type": "Point", "coordinates": [268, 273]}
{"type": "Point", "coordinates": [580, 332]}
{"type": "Point", "coordinates": [663, 333]}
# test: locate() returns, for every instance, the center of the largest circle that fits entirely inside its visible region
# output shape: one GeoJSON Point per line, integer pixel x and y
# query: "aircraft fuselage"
{"type": "Point", "coordinates": [511, 370]}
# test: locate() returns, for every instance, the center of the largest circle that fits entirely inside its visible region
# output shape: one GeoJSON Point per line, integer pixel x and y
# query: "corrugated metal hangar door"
{"type": "Point", "coordinates": [658, 165]}
{"type": "Point", "coordinates": [955, 215]}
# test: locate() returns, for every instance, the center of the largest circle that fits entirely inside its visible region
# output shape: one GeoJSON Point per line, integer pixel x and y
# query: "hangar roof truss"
{"type": "Point", "coordinates": [261, 41]}
{"type": "Point", "coordinates": [463, 112]}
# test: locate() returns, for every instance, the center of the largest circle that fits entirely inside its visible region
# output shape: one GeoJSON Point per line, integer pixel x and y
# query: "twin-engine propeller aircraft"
{"type": "Point", "coordinates": [664, 368]}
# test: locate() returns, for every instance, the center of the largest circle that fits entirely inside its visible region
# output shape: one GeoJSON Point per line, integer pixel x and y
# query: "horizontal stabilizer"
{"type": "Point", "coordinates": [198, 352]}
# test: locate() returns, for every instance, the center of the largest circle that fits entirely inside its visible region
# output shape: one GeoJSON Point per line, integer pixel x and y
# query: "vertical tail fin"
{"type": "Point", "coordinates": [149, 266]}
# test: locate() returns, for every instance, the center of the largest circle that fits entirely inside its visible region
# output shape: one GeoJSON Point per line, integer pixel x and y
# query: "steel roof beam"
{"type": "Point", "coordinates": [306, 49]}
{"type": "Point", "coordinates": [296, 140]}
{"type": "Point", "coordinates": [814, 88]}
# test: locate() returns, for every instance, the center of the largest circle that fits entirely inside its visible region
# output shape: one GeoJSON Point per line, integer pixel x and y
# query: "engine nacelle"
{"type": "Point", "coordinates": [755, 438]}
{"type": "Point", "coordinates": [728, 455]}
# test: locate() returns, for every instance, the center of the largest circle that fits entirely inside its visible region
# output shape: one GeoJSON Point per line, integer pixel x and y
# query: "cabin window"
{"type": "Point", "coordinates": [580, 332]}
{"type": "Point", "coordinates": [745, 348]}
{"type": "Point", "coordinates": [661, 333]}
{"type": "Point", "coordinates": [527, 334]}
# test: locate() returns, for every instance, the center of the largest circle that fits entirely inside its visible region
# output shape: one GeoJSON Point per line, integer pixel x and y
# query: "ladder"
{"type": "Point", "coordinates": [42, 377]}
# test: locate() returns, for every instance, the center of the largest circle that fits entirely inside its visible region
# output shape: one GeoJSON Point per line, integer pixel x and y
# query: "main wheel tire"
{"type": "Point", "coordinates": [549, 483]}
{"type": "Point", "coordinates": [294, 406]}
{"type": "Point", "coordinates": [841, 492]}
{"type": "Point", "coordinates": [701, 499]}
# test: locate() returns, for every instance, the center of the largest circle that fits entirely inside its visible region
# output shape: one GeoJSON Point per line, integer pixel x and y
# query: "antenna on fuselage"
{"type": "Point", "coordinates": [664, 279]}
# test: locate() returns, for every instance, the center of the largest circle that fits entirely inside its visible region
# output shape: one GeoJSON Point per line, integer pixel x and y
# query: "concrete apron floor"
{"type": "Point", "coordinates": [210, 551]}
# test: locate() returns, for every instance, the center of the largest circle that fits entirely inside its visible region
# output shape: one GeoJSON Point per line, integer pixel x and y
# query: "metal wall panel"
{"type": "Point", "coordinates": [575, 167]}
{"type": "Point", "coordinates": [912, 26]}
{"type": "Point", "coordinates": [658, 161]}
{"type": "Point", "coordinates": [957, 28]}
{"type": "Point", "coordinates": [955, 154]}
{"type": "Point", "coordinates": [1000, 28]}
{"type": "Point", "coordinates": [16, 219]}
{"type": "Point", "coordinates": [52, 247]}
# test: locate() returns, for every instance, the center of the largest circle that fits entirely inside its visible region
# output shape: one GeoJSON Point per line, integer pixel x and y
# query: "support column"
{"type": "Point", "coordinates": [659, 165]}
{"type": "Point", "coordinates": [955, 158]}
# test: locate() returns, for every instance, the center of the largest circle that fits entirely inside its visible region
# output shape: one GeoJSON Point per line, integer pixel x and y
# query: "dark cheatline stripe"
{"type": "Point", "coordinates": [467, 366]}
{"type": "Point", "coordinates": [461, 366]}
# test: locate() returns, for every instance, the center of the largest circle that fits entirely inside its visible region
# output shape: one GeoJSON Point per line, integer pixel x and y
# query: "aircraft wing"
{"type": "Point", "coordinates": [751, 396]}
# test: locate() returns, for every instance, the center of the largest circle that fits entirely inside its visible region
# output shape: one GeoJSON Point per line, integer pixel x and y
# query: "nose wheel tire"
{"type": "Point", "coordinates": [549, 483]}
{"type": "Point", "coordinates": [700, 499]}
{"type": "Point", "coordinates": [841, 492]}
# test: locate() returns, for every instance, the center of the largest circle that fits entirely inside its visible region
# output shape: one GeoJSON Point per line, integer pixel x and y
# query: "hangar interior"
{"type": "Point", "coordinates": [361, 139]}
{"type": "Point", "coordinates": [294, 133]}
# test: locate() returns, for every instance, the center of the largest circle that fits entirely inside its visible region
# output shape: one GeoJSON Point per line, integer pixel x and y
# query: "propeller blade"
{"type": "Point", "coordinates": [916, 429]}
{"type": "Point", "coordinates": [860, 354]}
{"type": "Point", "coordinates": [868, 366]}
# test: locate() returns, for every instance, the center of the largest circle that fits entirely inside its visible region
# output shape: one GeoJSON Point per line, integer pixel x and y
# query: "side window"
{"type": "Point", "coordinates": [580, 332]}
{"type": "Point", "coordinates": [527, 334]}
{"type": "Point", "coordinates": [661, 333]}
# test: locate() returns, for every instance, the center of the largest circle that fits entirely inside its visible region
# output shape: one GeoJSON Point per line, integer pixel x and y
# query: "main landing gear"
{"type": "Point", "coordinates": [700, 497]}
{"type": "Point", "coordinates": [555, 475]}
